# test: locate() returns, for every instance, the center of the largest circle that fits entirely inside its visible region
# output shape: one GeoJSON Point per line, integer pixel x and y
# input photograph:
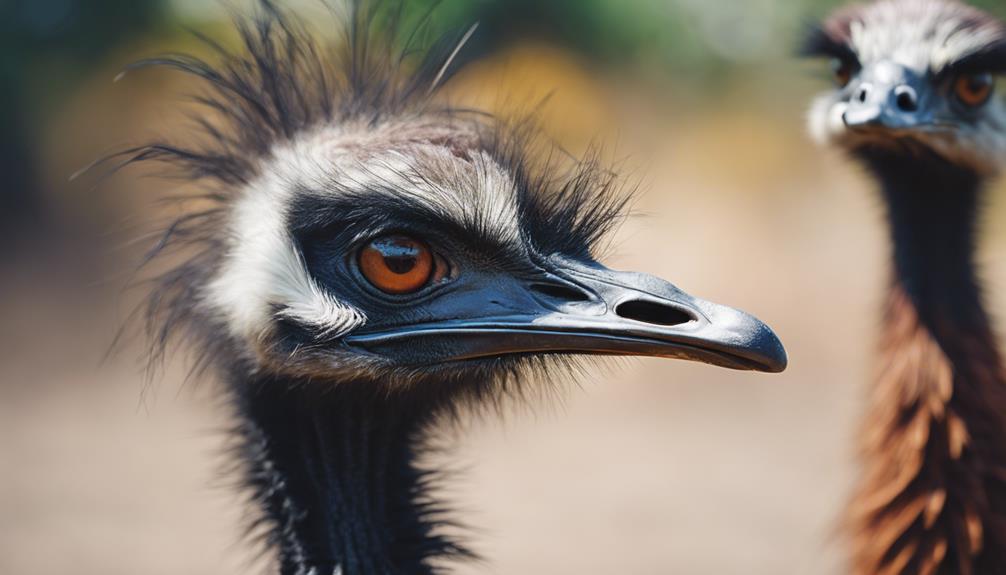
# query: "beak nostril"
{"type": "Point", "coordinates": [863, 93]}
{"type": "Point", "coordinates": [906, 99]}
{"type": "Point", "coordinates": [560, 292]}
{"type": "Point", "coordinates": [652, 312]}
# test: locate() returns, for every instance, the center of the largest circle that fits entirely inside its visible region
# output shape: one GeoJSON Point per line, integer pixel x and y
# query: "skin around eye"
{"type": "Point", "coordinates": [398, 264]}
{"type": "Point", "coordinates": [974, 90]}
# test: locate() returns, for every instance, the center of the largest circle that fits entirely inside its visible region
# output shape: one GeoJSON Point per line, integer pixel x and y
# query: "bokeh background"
{"type": "Point", "coordinates": [647, 467]}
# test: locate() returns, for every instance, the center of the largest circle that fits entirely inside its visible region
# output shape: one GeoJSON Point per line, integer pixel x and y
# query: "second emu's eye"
{"type": "Point", "coordinates": [399, 264]}
{"type": "Point", "coordinates": [842, 69]}
{"type": "Point", "coordinates": [974, 89]}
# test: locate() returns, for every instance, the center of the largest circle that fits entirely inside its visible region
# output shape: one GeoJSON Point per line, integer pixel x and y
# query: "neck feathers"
{"type": "Point", "coordinates": [934, 491]}
{"type": "Point", "coordinates": [336, 475]}
{"type": "Point", "coordinates": [933, 499]}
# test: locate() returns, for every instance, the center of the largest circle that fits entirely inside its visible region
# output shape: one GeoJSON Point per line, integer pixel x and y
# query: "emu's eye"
{"type": "Point", "coordinates": [399, 264]}
{"type": "Point", "coordinates": [973, 90]}
{"type": "Point", "coordinates": [842, 69]}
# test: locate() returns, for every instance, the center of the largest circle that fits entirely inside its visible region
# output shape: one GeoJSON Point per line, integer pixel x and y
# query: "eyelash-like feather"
{"type": "Point", "coordinates": [991, 59]}
{"type": "Point", "coordinates": [819, 42]}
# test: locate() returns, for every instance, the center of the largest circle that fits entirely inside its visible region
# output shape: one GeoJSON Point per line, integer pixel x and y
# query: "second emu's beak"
{"type": "Point", "coordinates": [576, 308]}
{"type": "Point", "coordinates": [890, 96]}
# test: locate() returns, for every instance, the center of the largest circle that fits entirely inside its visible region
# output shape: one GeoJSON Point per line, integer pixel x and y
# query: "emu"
{"type": "Point", "coordinates": [914, 103]}
{"type": "Point", "coordinates": [362, 262]}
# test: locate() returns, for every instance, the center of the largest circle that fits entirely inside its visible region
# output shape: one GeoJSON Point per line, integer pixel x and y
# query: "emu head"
{"type": "Point", "coordinates": [910, 74]}
{"type": "Point", "coordinates": [354, 228]}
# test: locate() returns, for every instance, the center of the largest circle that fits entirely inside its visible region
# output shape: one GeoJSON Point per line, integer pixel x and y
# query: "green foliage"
{"type": "Point", "coordinates": [701, 36]}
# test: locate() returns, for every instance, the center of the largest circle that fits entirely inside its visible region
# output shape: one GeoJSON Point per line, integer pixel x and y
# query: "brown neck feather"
{"type": "Point", "coordinates": [933, 496]}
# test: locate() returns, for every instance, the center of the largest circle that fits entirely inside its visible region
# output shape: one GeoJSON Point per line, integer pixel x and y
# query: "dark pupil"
{"type": "Point", "coordinates": [977, 84]}
{"type": "Point", "coordinates": [399, 255]}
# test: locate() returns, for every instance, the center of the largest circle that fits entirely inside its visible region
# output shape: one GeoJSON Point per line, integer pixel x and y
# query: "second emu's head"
{"type": "Point", "coordinates": [913, 74]}
{"type": "Point", "coordinates": [353, 226]}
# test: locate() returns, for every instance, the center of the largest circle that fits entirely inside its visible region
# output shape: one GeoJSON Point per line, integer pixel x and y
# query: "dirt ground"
{"type": "Point", "coordinates": [648, 467]}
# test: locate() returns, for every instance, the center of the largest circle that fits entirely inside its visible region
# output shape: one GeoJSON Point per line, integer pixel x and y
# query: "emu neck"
{"type": "Point", "coordinates": [932, 208]}
{"type": "Point", "coordinates": [334, 470]}
{"type": "Point", "coordinates": [933, 498]}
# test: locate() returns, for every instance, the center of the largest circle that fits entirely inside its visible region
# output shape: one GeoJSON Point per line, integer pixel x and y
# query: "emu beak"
{"type": "Point", "coordinates": [576, 308]}
{"type": "Point", "coordinates": [891, 96]}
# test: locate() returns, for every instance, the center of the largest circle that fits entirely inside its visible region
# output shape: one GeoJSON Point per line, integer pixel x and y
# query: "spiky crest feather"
{"type": "Point", "coordinates": [284, 82]}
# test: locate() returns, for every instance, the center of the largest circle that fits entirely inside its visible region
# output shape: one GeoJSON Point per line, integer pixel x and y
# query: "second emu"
{"type": "Point", "coordinates": [915, 104]}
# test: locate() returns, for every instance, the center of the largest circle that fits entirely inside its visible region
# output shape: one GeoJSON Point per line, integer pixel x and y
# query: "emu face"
{"type": "Point", "coordinates": [913, 73]}
{"type": "Point", "coordinates": [421, 246]}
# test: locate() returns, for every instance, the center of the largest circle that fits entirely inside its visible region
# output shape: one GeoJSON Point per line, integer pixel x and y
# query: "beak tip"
{"type": "Point", "coordinates": [765, 350]}
{"type": "Point", "coordinates": [754, 341]}
{"type": "Point", "coordinates": [776, 355]}
{"type": "Point", "coordinates": [859, 118]}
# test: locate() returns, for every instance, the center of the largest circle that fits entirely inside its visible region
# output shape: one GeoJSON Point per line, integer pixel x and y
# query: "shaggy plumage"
{"type": "Point", "coordinates": [321, 172]}
{"type": "Point", "coordinates": [278, 119]}
{"type": "Point", "coordinates": [300, 143]}
{"type": "Point", "coordinates": [933, 495]}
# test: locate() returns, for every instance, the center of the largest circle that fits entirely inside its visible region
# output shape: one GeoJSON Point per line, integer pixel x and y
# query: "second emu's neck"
{"type": "Point", "coordinates": [334, 471]}
{"type": "Point", "coordinates": [933, 498]}
{"type": "Point", "coordinates": [932, 210]}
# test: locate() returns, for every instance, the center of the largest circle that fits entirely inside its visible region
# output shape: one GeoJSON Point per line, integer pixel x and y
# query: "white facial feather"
{"type": "Point", "coordinates": [262, 273]}
{"type": "Point", "coordinates": [923, 35]}
{"type": "Point", "coordinates": [824, 119]}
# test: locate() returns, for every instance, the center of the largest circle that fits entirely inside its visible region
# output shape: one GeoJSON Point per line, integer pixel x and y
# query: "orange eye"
{"type": "Point", "coordinates": [974, 89]}
{"type": "Point", "coordinates": [842, 70]}
{"type": "Point", "coordinates": [399, 264]}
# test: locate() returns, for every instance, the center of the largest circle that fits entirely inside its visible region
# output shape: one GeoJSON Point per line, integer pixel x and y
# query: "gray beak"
{"type": "Point", "coordinates": [578, 308]}
{"type": "Point", "coordinates": [888, 95]}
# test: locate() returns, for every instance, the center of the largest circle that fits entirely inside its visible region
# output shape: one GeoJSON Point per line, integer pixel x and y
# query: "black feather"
{"type": "Point", "coordinates": [820, 42]}
{"type": "Point", "coordinates": [283, 82]}
{"type": "Point", "coordinates": [990, 59]}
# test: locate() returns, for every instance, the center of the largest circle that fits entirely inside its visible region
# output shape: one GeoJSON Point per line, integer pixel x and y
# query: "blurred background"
{"type": "Point", "coordinates": [648, 467]}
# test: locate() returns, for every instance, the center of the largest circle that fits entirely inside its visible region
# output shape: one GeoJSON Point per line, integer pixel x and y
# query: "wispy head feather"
{"type": "Point", "coordinates": [280, 94]}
